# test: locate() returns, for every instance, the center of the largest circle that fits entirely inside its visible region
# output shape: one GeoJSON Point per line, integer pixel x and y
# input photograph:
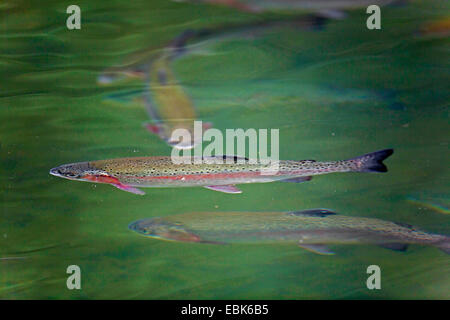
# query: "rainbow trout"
{"type": "Point", "coordinates": [311, 229]}
{"type": "Point", "coordinates": [129, 173]}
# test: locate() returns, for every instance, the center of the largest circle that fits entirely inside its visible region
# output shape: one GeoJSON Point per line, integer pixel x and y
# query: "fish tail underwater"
{"type": "Point", "coordinates": [371, 162]}
{"type": "Point", "coordinates": [329, 78]}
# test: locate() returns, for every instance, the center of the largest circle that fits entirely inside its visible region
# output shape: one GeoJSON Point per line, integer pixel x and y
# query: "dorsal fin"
{"type": "Point", "coordinates": [297, 180]}
{"type": "Point", "coordinates": [313, 213]}
{"type": "Point", "coordinates": [395, 246]}
{"type": "Point", "coordinates": [405, 225]}
{"type": "Point", "coordinates": [234, 159]}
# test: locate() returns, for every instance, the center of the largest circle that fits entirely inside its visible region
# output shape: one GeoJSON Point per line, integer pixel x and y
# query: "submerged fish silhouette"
{"type": "Point", "coordinates": [311, 229]}
{"type": "Point", "coordinates": [169, 105]}
{"type": "Point", "coordinates": [327, 8]}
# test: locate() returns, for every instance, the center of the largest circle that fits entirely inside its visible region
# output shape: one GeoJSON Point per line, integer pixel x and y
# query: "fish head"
{"type": "Point", "coordinates": [72, 171]}
{"type": "Point", "coordinates": [158, 228]}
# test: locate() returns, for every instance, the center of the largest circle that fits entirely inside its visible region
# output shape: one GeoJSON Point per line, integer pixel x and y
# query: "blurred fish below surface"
{"type": "Point", "coordinates": [311, 229]}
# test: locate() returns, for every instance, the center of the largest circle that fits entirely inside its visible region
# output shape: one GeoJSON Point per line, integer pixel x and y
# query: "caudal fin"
{"type": "Point", "coordinates": [371, 162]}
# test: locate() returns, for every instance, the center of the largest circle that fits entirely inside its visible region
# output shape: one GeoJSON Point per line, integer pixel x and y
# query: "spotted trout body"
{"type": "Point", "coordinates": [311, 229]}
{"type": "Point", "coordinates": [129, 173]}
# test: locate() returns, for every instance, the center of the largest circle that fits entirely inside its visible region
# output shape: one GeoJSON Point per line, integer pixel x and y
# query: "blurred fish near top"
{"type": "Point", "coordinates": [327, 8]}
{"type": "Point", "coordinates": [133, 67]}
{"type": "Point", "coordinates": [166, 102]}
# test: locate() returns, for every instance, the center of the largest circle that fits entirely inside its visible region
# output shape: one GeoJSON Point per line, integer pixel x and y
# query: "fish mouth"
{"type": "Point", "coordinates": [55, 172]}
{"type": "Point", "coordinates": [137, 226]}
{"type": "Point", "coordinates": [133, 225]}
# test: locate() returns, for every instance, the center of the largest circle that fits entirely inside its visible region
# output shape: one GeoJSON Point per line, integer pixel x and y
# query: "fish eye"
{"type": "Point", "coordinates": [71, 175]}
{"type": "Point", "coordinates": [148, 231]}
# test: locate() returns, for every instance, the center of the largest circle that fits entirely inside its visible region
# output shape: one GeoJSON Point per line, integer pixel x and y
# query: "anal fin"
{"type": "Point", "coordinates": [317, 248]}
{"type": "Point", "coordinates": [128, 188]}
{"type": "Point", "coordinates": [225, 188]}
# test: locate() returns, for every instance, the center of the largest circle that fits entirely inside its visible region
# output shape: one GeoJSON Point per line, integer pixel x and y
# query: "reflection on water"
{"type": "Point", "coordinates": [334, 91]}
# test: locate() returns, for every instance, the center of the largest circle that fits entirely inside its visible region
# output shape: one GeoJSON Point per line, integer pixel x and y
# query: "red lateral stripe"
{"type": "Point", "coordinates": [213, 176]}
{"type": "Point", "coordinates": [201, 176]}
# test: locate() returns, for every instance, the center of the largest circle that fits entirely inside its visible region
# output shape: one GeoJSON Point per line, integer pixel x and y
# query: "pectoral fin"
{"type": "Point", "coordinates": [395, 246]}
{"type": "Point", "coordinates": [317, 248]}
{"type": "Point", "coordinates": [114, 182]}
{"type": "Point", "coordinates": [226, 188]}
{"type": "Point", "coordinates": [101, 178]}
{"type": "Point", "coordinates": [128, 188]}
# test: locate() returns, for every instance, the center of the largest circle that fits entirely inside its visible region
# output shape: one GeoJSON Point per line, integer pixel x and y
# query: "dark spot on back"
{"type": "Point", "coordinates": [404, 225]}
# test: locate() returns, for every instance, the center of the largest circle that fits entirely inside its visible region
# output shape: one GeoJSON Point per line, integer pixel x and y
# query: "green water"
{"type": "Point", "coordinates": [334, 93]}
